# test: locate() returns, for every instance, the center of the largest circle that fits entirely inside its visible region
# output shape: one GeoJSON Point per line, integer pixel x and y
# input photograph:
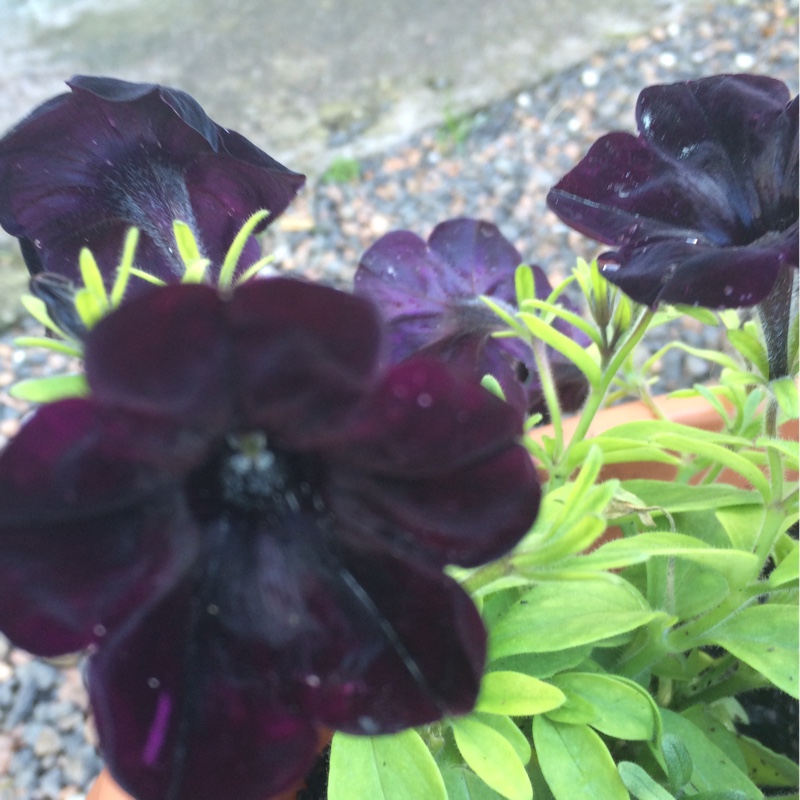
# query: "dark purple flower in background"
{"type": "Point", "coordinates": [703, 203]}
{"type": "Point", "coordinates": [248, 521]}
{"type": "Point", "coordinates": [430, 295]}
{"type": "Point", "coordinates": [85, 166]}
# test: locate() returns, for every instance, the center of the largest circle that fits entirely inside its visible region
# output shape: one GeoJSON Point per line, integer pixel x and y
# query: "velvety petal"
{"type": "Point", "coordinates": [432, 469]}
{"type": "Point", "coordinates": [424, 419]}
{"type": "Point", "coordinates": [85, 166]}
{"type": "Point", "coordinates": [180, 718]}
{"type": "Point", "coordinates": [89, 535]}
{"type": "Point", "coordinates": [679, 272]}
{"type": "Point", "coordinates": [703, 204]}
{"type": "Point", "coordinates": [303, 355]}
{"type": "Point", "coordinates": [408, 666]}
{"type": "Point", "coordinates": [165, 354]}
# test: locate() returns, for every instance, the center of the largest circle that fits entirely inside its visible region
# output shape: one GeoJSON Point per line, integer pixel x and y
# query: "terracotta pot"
{"type": "Point", "coordinates": [105, 787]}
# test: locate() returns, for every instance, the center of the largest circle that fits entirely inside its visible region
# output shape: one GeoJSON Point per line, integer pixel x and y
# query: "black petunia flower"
{"type": "Point", "coordinates": [703, 204]}
{"type": "Point", "coordinates": [248, 522]}
{"type": "Point", "coordinates": [430, 296]}
{"type": "Point", "coordinates": [85, 166]}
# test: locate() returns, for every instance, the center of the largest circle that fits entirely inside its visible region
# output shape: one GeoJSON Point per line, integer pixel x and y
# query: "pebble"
{"type": "Point", "coordinates": [499, 169]}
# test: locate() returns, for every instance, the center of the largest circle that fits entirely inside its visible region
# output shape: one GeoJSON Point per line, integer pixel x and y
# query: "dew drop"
{"type": "Point", "coordinates": [313, 681]}
{"type": "Point", "coordinates": [728, 291]}
{"type": "Point", "coordinates": [99, 630]}
{"type": "Point", "coordinates": [212, 609]}
{"type": "Point", "coordinates": [424, 400]}
{"type": "Point", "coordinates": [153, 683]}
{"type": "Point", "coordinates": [691, 241]}
{"type": "Point", "coordinates": [612, 268]}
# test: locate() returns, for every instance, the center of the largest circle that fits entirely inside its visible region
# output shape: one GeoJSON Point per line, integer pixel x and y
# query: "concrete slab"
{"type": "Point", "coordinates": [306, 79]}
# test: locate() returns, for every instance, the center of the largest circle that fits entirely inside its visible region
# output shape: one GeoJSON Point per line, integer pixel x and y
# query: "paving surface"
{"type": "Point", "coordinates": [496, 164]}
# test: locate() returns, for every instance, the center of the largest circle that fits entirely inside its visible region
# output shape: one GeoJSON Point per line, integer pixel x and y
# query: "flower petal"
{"type": "Point", "coordinates": [182, 716]}
{"type": "Point", "coordinates": [164, 354]}
{"type": "Point", "coordinates": [433, 468]}
{"type": "Point", "coordinates": [303, 355]}
{"type": "Point", "coordinates": [88, 536]}
{"type": "Point", "coordinates": [85, 166]}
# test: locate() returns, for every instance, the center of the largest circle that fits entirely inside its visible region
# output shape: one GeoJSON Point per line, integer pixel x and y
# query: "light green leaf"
{"type": "Point", "coordinates": [93, 278]}
{"type": "Point", "coordinates": [677, 497]}
{"type": "Point", "coordinates": [751, 347]}
{"type": "Point", "coordinates": [765, 767]}
{"type": "Point", "coordinates": [38, 310]}
{"type": "Point", "coordinates": [719, 455]}
{"type": "Point", "coordinates": [640, 784]}
{"type": "Point", "coordinates": [544, 665]}
{"type": "Point", "coordinates": [564, 345]}
{"type": "Point", "coordinates": [187, 244]}
{"type": "Point", "coordinates": [393, 767]}
{"type": "Point", "coordinates": [766, 638]}
{"type": "Point", "coordinates": [516, 694]}
{"type": "Point", "coordinates": [47, 390]}
{"type": "Point", "coordinates": [568, 316]}
{"type": "Point", "coordinates": [492, 757]}
{"type": "Point", "coordinates": [711, 768]}
{"type": "Point", "coordinates": [557, 615]}
{"type": "Point", "coordinates": [677, 761]}
{"type": "Point", "coordinates": [524, 284]}
{"type": "Point", "coordinates": [90, 309]}
{"type": "Point", "coordinates": [575, 762]}
{"type": "Point", "coordinates": [576, 711]}
{"type": "Point", "coordinates": [510, 731]}
{"type": "Point", "coordinates": [623, 709]}
{"type": "Point", "coordinates": [789, 568]}
{"type": "Point", "coordinates": [742, 524]}
{"type": "Point", "coordinates": [463, 784]}
{"type": "Point", "coordinates": [785, 391]}
{"type": "Point", "coordinates": [48, 344]}
{"type": "Point", "coordinates": [736, 565]}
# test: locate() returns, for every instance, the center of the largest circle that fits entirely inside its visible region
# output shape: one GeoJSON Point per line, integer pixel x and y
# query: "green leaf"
{"type": "Point", "coordinates": [788, 570]}
{"type": "Point", "coordinates": [492, 757]}
{"type": "Point", "coordinates": [517, 695]}
{"type": "Point", "coordinates": [677, 497]}
{"type": "Point", "coordinates": [568, 316]}
{"type": "Point", "coordinates": [510, 731]}
{"type": "Point", "coordinates": [640, 784]}
{"type": "Point", "coordinates": [742, 524]}
{"type": "Point", "coordinates": [545, 665]}
{"type": "Point", "coordinates": [712, 770]}
{"type": "Point", "coordinates": [47, 390]}
{"type": "Point", "coordinates": [765, 767]}
{"type": "Point", "coordinates": [736, 565]}
{"type": "Point", "coordinates": [463, 784]}
{"type": "Point", "coordinates": [394, 767]}
{"type": "Point", "coordinates": [785, 391]}
{"type": "Point", "coordinates": [38, 310]}
{"type": "Point", "coordinates": [564, 345]}
{"type": "Point", "coordinates": [576, 711]}
{"type": "Point", "coordinates": [677, 761]}
{"type": "Point", "coordinates": [557, 615]}
{"type": "Point", "coordinates": [717, 454]}
{"type": "Point", "coordinates": [623, 709]}
{"type": "Point", "coordinates": [766, 638]}
{"type": "Point", "coordinates": [751, 347]}
{"type": "Point", "coordinates": [575, 762]}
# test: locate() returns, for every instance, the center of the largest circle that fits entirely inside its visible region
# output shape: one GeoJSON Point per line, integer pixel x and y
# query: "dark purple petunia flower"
{"type": "Point", "coordinates": [430, 295]}
{"type": "Point", "coordinates": [703, 204]}
{"type": "Point", "coordinates": [247, 521]}
{"type": "Point", "coordinates": [84, 167]}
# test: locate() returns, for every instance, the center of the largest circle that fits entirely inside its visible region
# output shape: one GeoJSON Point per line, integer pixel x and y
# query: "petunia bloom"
{"type": "Point", "coordinates": [85, 166]}
{"type": "Point", "coordinates": [430, 295]}
{"type": "Point", "coordinates": [247, 520]}
{"type": "Point", "coordinates": [703, 203]}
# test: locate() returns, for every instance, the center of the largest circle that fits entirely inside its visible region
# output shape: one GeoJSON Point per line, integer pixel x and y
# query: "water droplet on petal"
{"type": "Point", "coordinates": [728, 291]}
{"type": "Point", "coordinates": [99, 630]}
{"type": "Point", "coordinates": [153, 683]}
{"type": "Point", "coordinates": [612, 268]}
{"type": "Point", "coordinates": [424, 400]}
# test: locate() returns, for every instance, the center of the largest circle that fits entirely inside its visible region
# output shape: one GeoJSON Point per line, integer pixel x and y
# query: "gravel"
{"type": "Point", "coordinates": [496, 165]}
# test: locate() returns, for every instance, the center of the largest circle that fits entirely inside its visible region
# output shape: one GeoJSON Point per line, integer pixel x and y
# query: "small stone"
{"type": "Point", "coordinates": [47, 742]}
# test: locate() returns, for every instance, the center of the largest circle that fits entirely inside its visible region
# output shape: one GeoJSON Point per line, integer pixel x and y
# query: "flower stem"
{"type": "Point", "coordinates": [598, 393]}
{"type": "Point", "coordinates": [550, 394]}
{"type": "Point", "coordinates": [776, 312]}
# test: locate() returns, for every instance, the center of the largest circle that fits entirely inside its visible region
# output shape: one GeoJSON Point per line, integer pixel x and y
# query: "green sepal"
{"type": "Point", "coordinates": [785, 392]}
{"type": "Point", "coordinates": [67, 349]}
{"type": "Point", "coordinates": [394, 767]}
{"type": "Point", "coordinates": [677, 762]}
{"type": "Point", "coordinates": [747, 341]}
{"type": "Point", "coordinates": [38, 310]}
{"type": "Point", "coordinates": [93, 278]}
{"type": "Point", "coordinates": [124, 270]}
{"type": "Point", "coordinates": [234, 253]}
{"type": "Point", "coordinates": [524, 284]}
{"type": "Point", "coordinates": [491, 384]}
{"type": "Point", "coordinates": [48, 390]}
